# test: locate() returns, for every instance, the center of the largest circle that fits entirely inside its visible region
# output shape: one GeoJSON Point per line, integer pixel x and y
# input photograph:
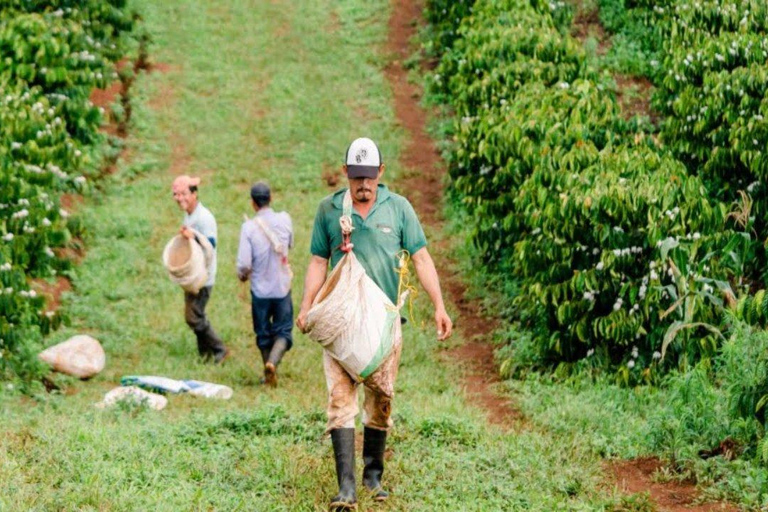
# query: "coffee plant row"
{"type": "Point", "coordinates": [711, 77]}
{"type": "Point", "coordinates": [53, 53]}
{"type": "Point", "coordinates": [616, 250]}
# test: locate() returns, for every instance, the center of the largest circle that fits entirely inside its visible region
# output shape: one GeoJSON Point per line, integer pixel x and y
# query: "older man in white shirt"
{"type": "Point", "coordinates": [200, 219]}
{"type": "Point", "coordinates": [263, 257]}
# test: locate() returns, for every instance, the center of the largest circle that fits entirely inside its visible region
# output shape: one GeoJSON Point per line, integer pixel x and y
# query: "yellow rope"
{"type": "Point", "coordinates": [404, 282]}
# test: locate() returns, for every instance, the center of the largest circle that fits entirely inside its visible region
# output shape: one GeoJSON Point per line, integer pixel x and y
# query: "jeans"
{"type": "Point", "coordinates": [272, 319]}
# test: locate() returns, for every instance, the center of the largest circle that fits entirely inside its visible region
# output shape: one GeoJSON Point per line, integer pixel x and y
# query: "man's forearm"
{"type": "Point", "coordinates": [425, 269]}
{"type": "Point", "coordinates": [314, 280]}
{"type": "Point", "coordinates": [244, 258]}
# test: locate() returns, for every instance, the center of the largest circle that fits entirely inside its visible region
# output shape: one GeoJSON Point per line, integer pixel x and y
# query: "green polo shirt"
{"type": "Point", "coordinates": [391, 226]}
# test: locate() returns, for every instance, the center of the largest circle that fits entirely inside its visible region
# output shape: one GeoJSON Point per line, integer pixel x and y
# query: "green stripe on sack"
{"type": "Point", "coordinates": [385, 348]}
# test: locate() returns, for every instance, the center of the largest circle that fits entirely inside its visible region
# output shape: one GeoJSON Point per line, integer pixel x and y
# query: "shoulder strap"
{"type": "Point", "coordinates": [278, 246]}
{"type": "Point", "coordinates": [346, 205]}
{"type": "Point", "coordinates": [345, 222]}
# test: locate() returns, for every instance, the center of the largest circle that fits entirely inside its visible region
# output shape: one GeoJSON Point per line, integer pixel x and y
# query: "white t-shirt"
{"type": "Point", "coordinates": [202, 220]}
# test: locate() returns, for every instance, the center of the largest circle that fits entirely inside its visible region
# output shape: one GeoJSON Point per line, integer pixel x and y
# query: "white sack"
{"type": "Point", "coordinates": [133, 394]}
{"type": "Point", "coordinates": [209, 390]}
{"type": "Point", "coordinates": [353, 319]}
{"type": "Point", "coordinates": [187, 261]}
{"type": "Point", "coordinates": [81, 356]}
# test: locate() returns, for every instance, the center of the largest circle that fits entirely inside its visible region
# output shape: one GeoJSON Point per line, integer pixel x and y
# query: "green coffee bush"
{"type": "Point", "coordinates": [52, 54]}
{"type": "Point", "coordinates": [616, 251]}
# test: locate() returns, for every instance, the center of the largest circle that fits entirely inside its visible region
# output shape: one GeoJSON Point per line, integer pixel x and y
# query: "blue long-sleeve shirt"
{"type": "Point", "coordinates": [256, 255]}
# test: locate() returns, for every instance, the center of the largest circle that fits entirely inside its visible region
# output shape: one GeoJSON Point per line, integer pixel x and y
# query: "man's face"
{"type": "Point", "coordinates": [364, 189]}
{"type": "Point", "coordinates": [185, 198]}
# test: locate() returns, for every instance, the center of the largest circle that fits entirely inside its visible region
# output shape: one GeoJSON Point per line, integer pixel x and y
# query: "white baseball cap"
{"type": "Point", "coordinates": [363, 159]}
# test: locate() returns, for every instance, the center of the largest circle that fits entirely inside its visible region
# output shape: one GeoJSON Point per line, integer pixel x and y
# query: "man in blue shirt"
{"type": "Point", "coordinates": [263, 257]}
{"type": "Point", "coordinates": [199, 218]}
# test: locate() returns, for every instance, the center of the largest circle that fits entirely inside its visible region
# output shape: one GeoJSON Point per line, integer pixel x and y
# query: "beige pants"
{"type": "Point", "coordinates": [379, 392]}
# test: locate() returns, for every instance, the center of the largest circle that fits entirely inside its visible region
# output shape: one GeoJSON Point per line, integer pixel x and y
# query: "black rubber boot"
{"type": "Point", "coordinates": [264, 359]}
{"type": "Point", "coordinates": [374, 443]}
{"type": "Point", "coordinates": [264, 354]}
{"type": "Point", "coordinates": [344, 452]}
{"type": "Point", "coordinates": [202, 345]}
{"type": "Point", "coordinates": [210, 345]}
{"type": "Point", "coordinates": [279, 348]}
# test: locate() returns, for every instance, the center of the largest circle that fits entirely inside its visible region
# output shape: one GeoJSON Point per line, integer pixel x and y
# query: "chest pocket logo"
{"type": "Point", "coordinates": [384, 229]}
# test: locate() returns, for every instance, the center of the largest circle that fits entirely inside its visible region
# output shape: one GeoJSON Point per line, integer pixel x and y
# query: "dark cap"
{"type": "Point", "coordinates": [260, 190]}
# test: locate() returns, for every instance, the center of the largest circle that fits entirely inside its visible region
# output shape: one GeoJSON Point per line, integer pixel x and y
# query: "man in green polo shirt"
{"type": "Point", "coordinates": [384, 224]}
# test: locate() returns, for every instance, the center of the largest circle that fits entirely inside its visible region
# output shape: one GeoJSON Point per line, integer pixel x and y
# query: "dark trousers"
{"type": "Point", "coordinates": [208, 342]}
{"type": "Point", "coordinates": [272, 319]}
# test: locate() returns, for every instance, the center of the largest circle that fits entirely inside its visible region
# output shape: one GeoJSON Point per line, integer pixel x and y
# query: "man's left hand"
{"type": "Point", "coordinates": [444, 325]}
{"type": "Point", "coordinates": [186, 233]}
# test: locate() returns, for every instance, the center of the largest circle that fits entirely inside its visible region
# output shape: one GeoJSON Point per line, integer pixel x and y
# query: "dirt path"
{"type": "Point", "coordinates": [637, 476]}
{"type": "Point", "coordinates": [633, 93]}
{"type": "Point", "coordinates": [423, 185]}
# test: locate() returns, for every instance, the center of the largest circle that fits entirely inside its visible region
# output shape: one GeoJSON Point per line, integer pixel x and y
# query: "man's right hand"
{"type": "Point", "coordinates": [312, 284]}
{"type": "Point", "coordinates": [301, 321]}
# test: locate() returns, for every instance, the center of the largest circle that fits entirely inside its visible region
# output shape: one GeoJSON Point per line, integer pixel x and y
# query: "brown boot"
{"type": "Point", "coordinates": [276, 353]}
{"type": "Point", "coordinates": [270, 374]}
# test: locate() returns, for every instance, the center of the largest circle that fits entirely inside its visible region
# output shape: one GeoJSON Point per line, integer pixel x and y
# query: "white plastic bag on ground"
{"type": "Point", "coordinates": [155, 384]}
{"type": "Point", "coordinates": [81, 356]}
{"type": "Point", "coordinates": [166, 385]}
{"type": "Point", "coordinates": [133, 394]}
{"type": "Point", "coordinates": [209, 389]}
{"type": "Point", "coordinates": [187, 261]}
{"type": "Point", "coordinates": [353, 319]}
